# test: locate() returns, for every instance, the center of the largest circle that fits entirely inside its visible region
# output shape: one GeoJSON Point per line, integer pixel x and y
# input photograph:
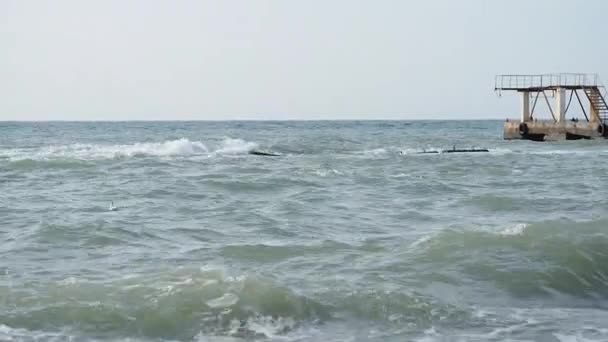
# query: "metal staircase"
{"type": "Point", "coordinates": [598, 101]}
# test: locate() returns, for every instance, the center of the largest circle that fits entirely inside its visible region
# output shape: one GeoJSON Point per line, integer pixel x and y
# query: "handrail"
{"type": "Point", "coordinates": [506, 82]}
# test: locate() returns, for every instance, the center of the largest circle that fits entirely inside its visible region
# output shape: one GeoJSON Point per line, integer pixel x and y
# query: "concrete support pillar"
{"type": "Point", "coordinates": [560, 104]}
{"type": "Point", "coordinates": [593, 114]}
{"type": "Point", "coordinates": [525, 106]}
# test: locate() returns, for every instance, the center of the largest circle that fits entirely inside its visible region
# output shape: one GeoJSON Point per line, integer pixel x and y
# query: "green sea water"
{"type": "Point", "coordinates": [349, 235]}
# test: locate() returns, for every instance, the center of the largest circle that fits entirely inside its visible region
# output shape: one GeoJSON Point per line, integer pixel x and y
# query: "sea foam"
{"type": "Point", "coordinates": [517, 229]}
{"type": "Point", "coordinates": [168, 148]}
{"type": "Point", "coordinates": [235, 146]}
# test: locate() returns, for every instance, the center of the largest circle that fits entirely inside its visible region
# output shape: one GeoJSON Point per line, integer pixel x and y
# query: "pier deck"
{"type": "Point", "coordinates": [558, 86]}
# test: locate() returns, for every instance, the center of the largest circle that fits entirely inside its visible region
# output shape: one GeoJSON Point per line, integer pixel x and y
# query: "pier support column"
{"type": "Point", "coordinates": [560, 104]}
{"type": "Point", "coordinates": [593, 114]}
{"type": "Point", "coordinates": [525, 106]}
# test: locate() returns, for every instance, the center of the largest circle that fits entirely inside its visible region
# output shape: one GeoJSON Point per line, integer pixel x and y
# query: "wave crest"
{"type": "Point", "coordinates": [527, 260]}
{"type": "Point", "coordinates": [235, 146]}
{"type": "Point", "coordinates": [178, 304]}
{"type": "Point", "coordinates": [169, 148]}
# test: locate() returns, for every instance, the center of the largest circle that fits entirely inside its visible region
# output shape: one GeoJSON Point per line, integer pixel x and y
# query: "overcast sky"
{"type": "Point", "coordinates": [313, 59]}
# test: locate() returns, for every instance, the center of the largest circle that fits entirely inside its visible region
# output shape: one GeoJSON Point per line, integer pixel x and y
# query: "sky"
{"type": "Point", "coordinates": [283, 59]}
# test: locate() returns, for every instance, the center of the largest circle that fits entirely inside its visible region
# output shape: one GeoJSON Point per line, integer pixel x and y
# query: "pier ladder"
{"type": "Point", "coordinates": [598, 101]}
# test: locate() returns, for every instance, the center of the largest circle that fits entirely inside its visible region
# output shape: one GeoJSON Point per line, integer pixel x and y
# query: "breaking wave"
{"type": "Point", "coordinates": [229, 146]}
{"type": "Point", "coordinates": [179, 304]}
{"type": "Point", "coordinates": [186, 304]}
{"type": "Point", "coordinates": [169, 148]}
{"type": "Point", "coordinates": [235, 146]}
{"type": "Point", "coordinates": [527, 260]}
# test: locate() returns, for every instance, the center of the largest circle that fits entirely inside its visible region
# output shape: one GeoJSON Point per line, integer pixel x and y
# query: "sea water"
{"type": "Point", "coordinates": [349, 235]}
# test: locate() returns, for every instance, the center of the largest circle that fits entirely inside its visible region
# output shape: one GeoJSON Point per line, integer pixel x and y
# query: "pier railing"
{"type": "Point", "coordinates": [522, 82]}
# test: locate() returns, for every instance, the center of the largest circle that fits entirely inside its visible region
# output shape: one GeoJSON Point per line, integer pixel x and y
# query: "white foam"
{"type": "Point", "coordinates": [5, 329]}
{"type": "Point", "coordinates": [578, 152]}
{"type": "Point", "coordinates": [418, 151]}
{"type": "Point", "coordinates": [68, 281]}
{"type": "Point", "coordinates": [375, 152]}
{"type": "Point", "coordinates": [517, 229]}
{"type": "Point", "coordinates": [422, 240]}
{"type": "Point", "coordinates": [168, 148]}
{"type": "Point", "coordinates": [226, 300]}
{"type": "Point", "coordinates": [269, 326]}
{"type": "Point", "coordinates": [177, 147]}
{"type": "Point", "coordinates": [499, 151]}
{"type": "Point", "coordinates": [327, 172]}
{"type": "Point", "coordinates": [12, 334]}
{"type": "Point", "coordinates": [430, 335]}
{"type": "Point", "coordinates": [235, 146]}
{"type": "Point", "coordinates": [563, 152]}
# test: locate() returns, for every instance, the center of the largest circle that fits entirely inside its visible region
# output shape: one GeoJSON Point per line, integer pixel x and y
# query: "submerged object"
{"type": "Point", "coordinates": [466, 150]}
{"type": "Point", "coordinates": [264, 153]}
{"type": "Point", "coordinates": [456, 150]}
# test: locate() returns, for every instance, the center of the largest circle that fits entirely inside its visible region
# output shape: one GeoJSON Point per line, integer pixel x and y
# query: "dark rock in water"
{"type": "Point", "coordinates": [262, 153]}
{"type": "Point", "coordinates": [466, 150]}
{"type": "Point", "coordinates": [456, 150]}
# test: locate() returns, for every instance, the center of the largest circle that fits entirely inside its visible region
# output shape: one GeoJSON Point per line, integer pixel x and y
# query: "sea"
{"type": "Point", "coordinates": [173, 231]}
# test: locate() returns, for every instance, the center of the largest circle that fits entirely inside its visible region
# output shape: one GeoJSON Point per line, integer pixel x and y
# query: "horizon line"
{"type": "Point", "coordinates": [242, 120]}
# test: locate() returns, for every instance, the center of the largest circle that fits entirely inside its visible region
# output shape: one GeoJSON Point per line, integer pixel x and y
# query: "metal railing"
{"type": "Point", "coordinates": [513, 82]}
{"type": "Point", "coordinates": [602, 90]}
